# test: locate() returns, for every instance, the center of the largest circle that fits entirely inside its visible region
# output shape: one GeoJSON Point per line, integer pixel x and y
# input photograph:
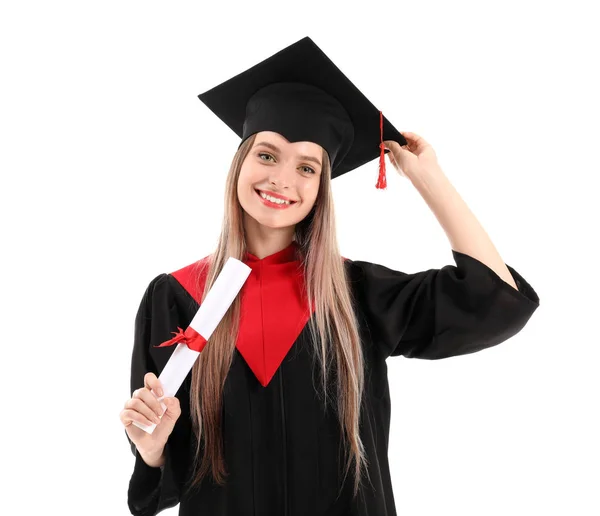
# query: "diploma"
{"type": "Point", "coordinates": [191, 342]}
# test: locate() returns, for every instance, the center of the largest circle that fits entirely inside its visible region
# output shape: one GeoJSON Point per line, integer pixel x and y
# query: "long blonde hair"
{"type": "Point", "coordinates": [335, 337]}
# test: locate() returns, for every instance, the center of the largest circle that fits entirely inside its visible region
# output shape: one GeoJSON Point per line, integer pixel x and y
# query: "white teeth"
{"type": "Point", "coordinates": [273, 199]}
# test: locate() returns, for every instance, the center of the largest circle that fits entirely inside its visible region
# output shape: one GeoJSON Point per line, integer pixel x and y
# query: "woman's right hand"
{"type": "Point", "coordinates": [144, 407]}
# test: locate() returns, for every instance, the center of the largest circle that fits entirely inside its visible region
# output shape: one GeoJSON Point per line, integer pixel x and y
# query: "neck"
{"type": "Point", "coordinates": [262, 241]}
{"type": "Point", "coordinates": [261, 249]}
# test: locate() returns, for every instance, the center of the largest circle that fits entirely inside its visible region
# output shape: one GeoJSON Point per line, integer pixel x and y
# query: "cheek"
{"type": "Point", "coordinates": [244, 174]}
{"type": "Point", "coordinates": [309, 193]}
{"type": "Point", "coordinates": [254, 173]}
{"type": "Point", "coordinates": [246, 178]}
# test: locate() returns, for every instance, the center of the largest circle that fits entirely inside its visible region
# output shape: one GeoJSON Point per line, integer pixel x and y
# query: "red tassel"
{"type": "Point", "coordinates": [381, 180]}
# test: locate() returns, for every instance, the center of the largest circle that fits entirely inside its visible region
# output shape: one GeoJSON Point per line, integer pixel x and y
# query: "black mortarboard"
{"type": "Point", "coordinates": [300, 93]}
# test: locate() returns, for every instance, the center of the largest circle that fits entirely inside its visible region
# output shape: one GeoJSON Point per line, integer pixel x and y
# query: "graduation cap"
{"type": "Point", "coordinates": [301, 94]}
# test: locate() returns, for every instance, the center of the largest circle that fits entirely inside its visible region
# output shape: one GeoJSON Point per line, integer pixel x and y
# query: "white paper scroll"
{"type": "Point", "coordinates": [211, 311]}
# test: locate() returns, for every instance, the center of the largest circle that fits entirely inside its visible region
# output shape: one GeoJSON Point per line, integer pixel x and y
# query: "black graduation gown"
{"type": "Point", "coordinates": [281, 448]}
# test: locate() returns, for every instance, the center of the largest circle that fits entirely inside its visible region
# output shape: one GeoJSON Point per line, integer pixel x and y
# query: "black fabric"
{"type": "Point", "coordinates": [445, 312]}
{"type": "Point", "coordinates": [433, 314]}
{"type": "Point", "coordinates": [301, 94]}
{"type": "Point", "coordinates": [153, 489]}
{"type": "Point", "coordinates": [301, 112]}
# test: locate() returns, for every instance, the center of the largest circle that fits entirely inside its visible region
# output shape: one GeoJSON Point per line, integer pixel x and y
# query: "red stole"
{"type": "Point", "coordinates": [274, 308]}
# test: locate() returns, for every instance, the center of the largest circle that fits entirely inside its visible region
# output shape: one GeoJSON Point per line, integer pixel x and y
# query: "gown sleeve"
{"type": "Point", "coordinates": [153, 489]}
{"type": "Point", "coordinates": [440, 313]}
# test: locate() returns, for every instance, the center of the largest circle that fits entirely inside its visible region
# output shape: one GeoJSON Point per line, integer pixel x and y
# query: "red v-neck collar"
{"type": "Point", "coordinates": [274, 310]}
{"type": "Point", "coordinates": [274, 307]}
{"type": "Point", "coordinates": [286, 255]}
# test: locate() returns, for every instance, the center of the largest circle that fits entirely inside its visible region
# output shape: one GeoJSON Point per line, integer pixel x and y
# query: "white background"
{"type": "Point", "coordinates": [113, 172]}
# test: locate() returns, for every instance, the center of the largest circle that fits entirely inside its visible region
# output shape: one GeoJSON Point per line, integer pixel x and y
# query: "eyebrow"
{"type": "Point", "coordinates": [276, 149]}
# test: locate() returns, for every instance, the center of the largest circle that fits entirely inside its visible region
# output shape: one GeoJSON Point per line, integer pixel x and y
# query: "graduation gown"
{"type": "Point", "coordinates": [282, 449]}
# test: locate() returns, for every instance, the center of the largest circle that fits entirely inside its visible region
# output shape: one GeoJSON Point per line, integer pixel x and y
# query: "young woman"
{"type": "Point", "coordinates": [287, 409]}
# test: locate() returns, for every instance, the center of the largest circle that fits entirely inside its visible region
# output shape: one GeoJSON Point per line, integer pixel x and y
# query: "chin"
{"type": "Point", "coordinates": [274, 222]}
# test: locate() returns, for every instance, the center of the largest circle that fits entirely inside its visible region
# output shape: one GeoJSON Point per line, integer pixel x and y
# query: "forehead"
{"type": "Point", "coordinates": [283, 144]}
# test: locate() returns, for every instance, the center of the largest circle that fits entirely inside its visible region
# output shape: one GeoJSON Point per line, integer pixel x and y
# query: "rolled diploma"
{"type": "Point", "coordinates": [218, 300]}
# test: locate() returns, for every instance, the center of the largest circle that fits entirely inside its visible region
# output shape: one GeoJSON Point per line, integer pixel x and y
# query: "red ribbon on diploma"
{"type": "Point", "coordinates": [191, 338]}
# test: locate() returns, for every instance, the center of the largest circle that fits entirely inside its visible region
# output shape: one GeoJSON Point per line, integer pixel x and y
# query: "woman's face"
{"type": "Point", "coordinates": [281, 169]}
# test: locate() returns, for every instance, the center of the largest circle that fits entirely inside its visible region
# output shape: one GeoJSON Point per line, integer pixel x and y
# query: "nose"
{"type": "Point", "coordinates": [283, 176]}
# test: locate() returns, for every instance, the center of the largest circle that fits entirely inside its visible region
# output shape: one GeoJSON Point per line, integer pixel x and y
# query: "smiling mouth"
{"type": "Point", "coordinates": [258, 192]}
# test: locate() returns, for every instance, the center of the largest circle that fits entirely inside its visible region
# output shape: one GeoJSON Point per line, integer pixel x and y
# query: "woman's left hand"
{"type": "Point", "coordinates": [414, 159]}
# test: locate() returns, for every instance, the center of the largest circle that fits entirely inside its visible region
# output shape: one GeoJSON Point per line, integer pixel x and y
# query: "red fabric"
{"type": "Point", "coordinates": [274, 308]}
{"type": "Point", "coordinates": [191, 338]}
{"type": "Point", "coordinates": [381, 180]}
